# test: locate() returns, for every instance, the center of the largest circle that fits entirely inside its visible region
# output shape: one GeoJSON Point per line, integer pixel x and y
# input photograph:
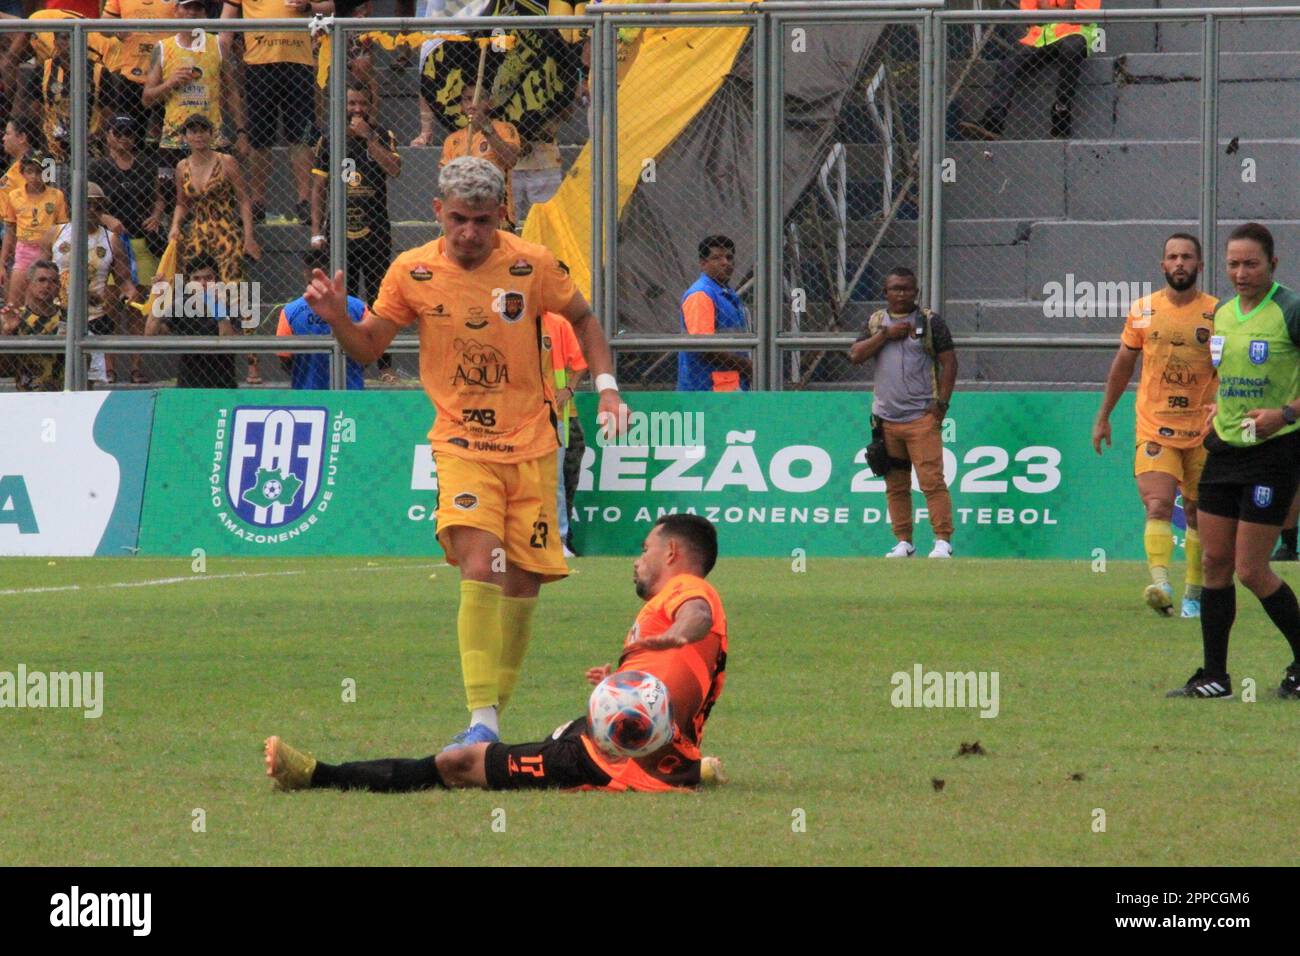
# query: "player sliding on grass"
{"type": "Point", "coordinates": [1253, 465]}
{"type": "Point", "coordinates": [680, 636]}
{"type": "Point", "coordinates": [477, 296]}
{"type": "Point", "coordinates": [1171, 330]}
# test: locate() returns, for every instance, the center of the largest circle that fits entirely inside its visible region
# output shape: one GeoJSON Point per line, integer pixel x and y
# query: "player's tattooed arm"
{"type": "Point", "coordinates": [691, 623]}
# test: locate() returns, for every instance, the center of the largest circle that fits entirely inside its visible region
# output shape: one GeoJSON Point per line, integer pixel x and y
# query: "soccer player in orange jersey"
{"type": "Point", "coordinates": [1171, 330]}
{"type": "Point", "coordinates": [477, 296]}
{"type": "Point", "coordinates": [680, 636]}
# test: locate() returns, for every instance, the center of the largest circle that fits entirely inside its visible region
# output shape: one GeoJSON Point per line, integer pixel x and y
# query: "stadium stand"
{"type": "Point", "coordinates": [1098, 205]}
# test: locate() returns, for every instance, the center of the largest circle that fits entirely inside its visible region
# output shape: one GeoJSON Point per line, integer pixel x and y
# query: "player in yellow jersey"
{"type": "Point", "coordinates": [1171, 330]}
{"type": "Point", "coordinates": [477, 296]}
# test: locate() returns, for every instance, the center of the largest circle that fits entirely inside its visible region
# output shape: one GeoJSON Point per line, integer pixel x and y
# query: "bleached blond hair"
{"type": "Point", "coordinates": [472, 180]}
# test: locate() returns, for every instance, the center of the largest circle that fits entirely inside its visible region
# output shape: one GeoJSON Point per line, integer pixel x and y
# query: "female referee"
{"type": "Point", "coordinates": [1252, 466]}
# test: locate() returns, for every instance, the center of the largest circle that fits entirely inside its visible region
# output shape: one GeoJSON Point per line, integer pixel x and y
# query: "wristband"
{"type": "Point", "coordinates": [314, 238]}
{"type": "Point", "coordinates": [606, 381]}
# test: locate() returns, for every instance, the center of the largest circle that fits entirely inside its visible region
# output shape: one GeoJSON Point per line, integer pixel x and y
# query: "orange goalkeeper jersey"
{"type": "Point", "coordinates": [694, 675]}
{"type": "Point", "coordinates": [1178, 378]}
{"type": "Point", "coordinates": [485, 360]}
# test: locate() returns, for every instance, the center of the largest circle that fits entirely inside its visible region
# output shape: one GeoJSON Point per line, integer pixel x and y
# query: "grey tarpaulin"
{"type": "Point", "coordinates": [704, 181]}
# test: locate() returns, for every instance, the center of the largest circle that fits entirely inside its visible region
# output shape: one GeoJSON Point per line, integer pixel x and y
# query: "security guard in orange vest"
{"type": "Point", "coordinates": [1066, 43]}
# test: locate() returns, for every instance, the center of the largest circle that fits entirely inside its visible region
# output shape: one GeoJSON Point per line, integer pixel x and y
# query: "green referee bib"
{"type": "Point", "coordinates": [1258, 359]}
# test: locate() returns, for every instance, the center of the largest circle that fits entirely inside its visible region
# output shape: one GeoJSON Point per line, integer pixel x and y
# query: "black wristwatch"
{"type": "Point", "coordinates": [1288, 414]}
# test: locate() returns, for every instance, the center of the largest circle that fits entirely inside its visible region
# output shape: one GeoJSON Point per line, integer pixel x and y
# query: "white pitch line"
{"type": "Point", "coordinates": [155, 582]}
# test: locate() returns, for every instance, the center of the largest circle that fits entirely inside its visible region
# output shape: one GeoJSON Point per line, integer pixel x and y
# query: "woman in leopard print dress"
{"type": "Point", "coordinates": [213, 213]}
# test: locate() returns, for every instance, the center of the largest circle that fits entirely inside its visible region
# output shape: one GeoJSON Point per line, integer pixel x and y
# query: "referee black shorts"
{"type": "Point", "coordinates": [559, 762]}
{"type": "Point", "coordinates": [1255, 483]}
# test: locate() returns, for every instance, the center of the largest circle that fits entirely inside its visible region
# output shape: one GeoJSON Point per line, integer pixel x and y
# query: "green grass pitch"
{"type": "Point", "coordinates": [198, 672]}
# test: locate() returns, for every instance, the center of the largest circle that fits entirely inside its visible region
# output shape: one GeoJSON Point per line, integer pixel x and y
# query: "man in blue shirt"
{"type": "Point", "coordinates": [711, 306]}
{"type": "Point", "coordinates": [311, 370]}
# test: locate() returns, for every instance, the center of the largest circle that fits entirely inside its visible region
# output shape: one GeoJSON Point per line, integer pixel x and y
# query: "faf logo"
{"type": "Point", "coordinates": [275, 468]}
{"type": "Point", "coordinates": [1258, 351]}
{"type": "Point", "coordinates": [1263, 496]}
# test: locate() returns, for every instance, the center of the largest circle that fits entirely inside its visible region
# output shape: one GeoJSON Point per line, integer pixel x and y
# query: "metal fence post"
{"type": "Point", "coordinates": [775, 189]}
{"type": "Point", "coordinates": [925, 184]}
{"type": "Point", "coordinates": [1209, 149]}
{"type": "Point", "coordinates": [937, 133]}
{"type": "Point", "coordinates": [595, 133]}
{"type": "Point", "coordinates": [338, 150]}
{"type": "Point", "coordinates": [766, 254]}
{"type": "Point", "coordinates": [74, 372]}
{"type": "Point", "coordinates": [609, 206]}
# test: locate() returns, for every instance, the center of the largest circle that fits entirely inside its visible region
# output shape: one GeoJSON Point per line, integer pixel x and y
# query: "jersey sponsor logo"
{"type": "Point", "coordinates": [1179, 374]}
{"type": "Point", "coordinates": [546, 342]}
{"type": "Point", "coordinates": [1263, 496]}
{"type": "Point", "coordinates": [1166, 432]}
{"type": "Point", "coordinates": [1258, 352]}
{"type": "Point", "coordinates": [274, 468]}
{"type": "Point", "coordinates": [493, 446]}
{"type": "Point", "coordinates": [458, 442]}
{"type": "Point", "coordinates": [480, 366]}
{"type": "Point", "coordinates": [49, 209]}
{"type": "Point", "coordinates": [1153, 449]}
{"type": "Point", "coordinates": [1202, 335]}
{"type": "Point", "coordinates": [465, 501]}
{"type": "Point", "coordinates": [421, 274]}
{"type": "Point", "coordinates": [476, 326]}
{"type": "Point", "coordinates": [512, 306]}
{"type": "Point", "coordinates": [487, 417]}
{"type": "Point", "coordinates": [521, 267]}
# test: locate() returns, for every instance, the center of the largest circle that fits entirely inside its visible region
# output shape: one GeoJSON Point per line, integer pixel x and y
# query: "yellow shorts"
{"type": "Point", "coordinates": [514, 502]}
{"type": "Point", "coordinates": [1185, 464]}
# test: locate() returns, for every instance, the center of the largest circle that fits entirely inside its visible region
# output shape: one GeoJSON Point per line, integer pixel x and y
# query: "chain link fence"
{"type": "Point", "coordinates": [209, 193]}
{"type": "Point", "coordinates": [756, 172]}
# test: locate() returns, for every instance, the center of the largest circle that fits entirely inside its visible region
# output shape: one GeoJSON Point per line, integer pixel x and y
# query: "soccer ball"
{"type": "Point", "coordinates": [272, 489]}
{"type": "Point", "coordinates": [629, 714]}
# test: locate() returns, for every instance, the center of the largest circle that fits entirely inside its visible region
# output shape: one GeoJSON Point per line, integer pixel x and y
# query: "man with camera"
{"type": "Point", "coordinates": [916, 369]}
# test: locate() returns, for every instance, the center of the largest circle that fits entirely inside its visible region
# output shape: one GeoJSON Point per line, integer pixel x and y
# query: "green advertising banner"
{"type": "Point", "coordinates": [783, 471]}
{"type": "Point", "coordinates": [339, 473]}
{"type": "Point", "coordinates": [276, 472]}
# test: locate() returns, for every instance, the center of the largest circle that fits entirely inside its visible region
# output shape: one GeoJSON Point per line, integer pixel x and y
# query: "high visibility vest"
{"type": "Point", "coordinates": [1047, 34]}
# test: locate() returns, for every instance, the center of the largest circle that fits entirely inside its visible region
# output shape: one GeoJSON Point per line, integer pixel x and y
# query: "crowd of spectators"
{"type": "Point", "coordinates": [191, 136]}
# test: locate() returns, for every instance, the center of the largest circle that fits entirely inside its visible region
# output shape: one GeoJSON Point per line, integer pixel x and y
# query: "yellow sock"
{"type": "Point", "coordinates": [1159, 541]}
{"type": "Point", "coordinates": [1195, 574]}
{"type": "Point", "coordinates": [516, 632]}
{"type": "Point", "coordinates": [478, 631]}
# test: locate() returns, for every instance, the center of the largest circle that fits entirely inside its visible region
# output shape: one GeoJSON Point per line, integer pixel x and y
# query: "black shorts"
{"type": "Point", "coordinates": [1255, 483]}
{"type": "Point", "coordinates": [559, 762]}
{"type": "Point", "coordinates": [280, 95]}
